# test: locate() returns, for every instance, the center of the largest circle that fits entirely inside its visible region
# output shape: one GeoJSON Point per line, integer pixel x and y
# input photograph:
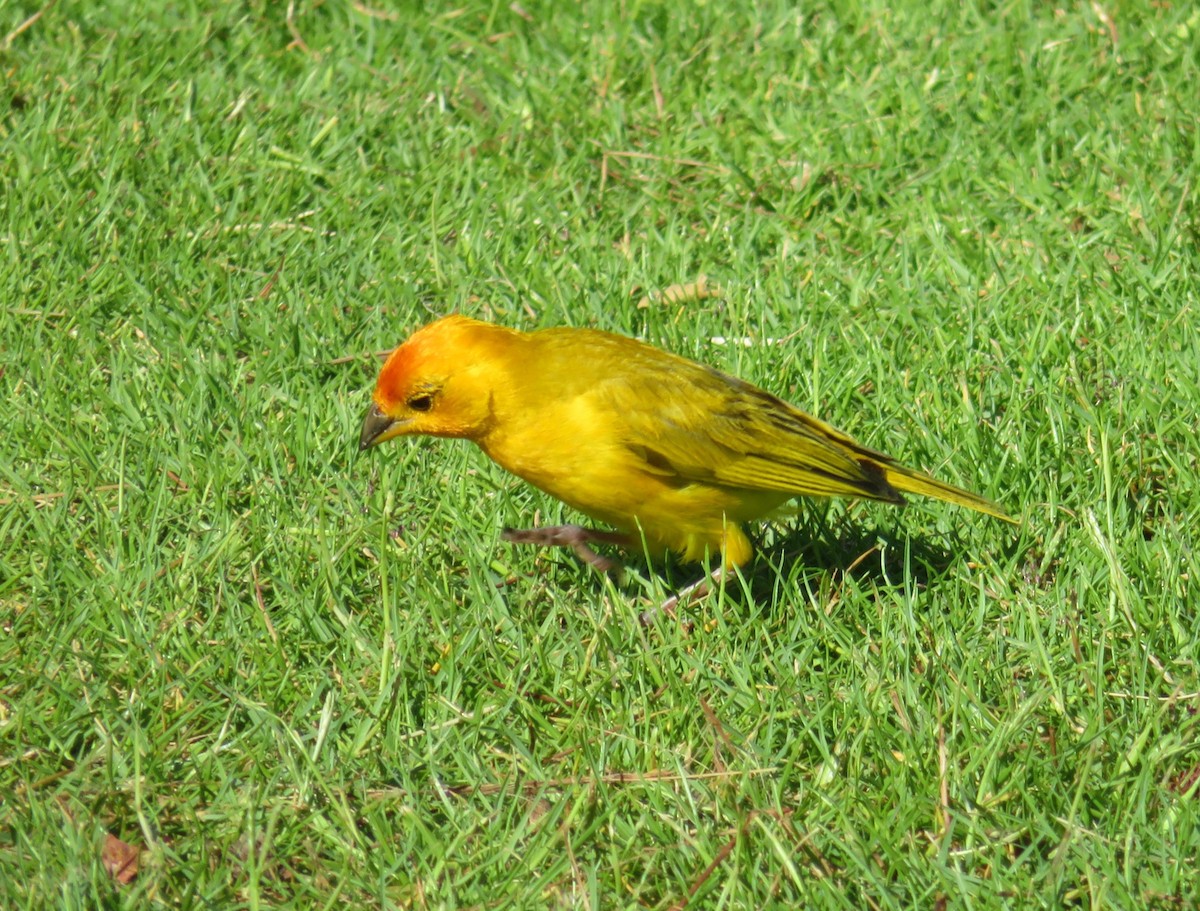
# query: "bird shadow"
{"type": "Point", "coordinates": [881, 554]}
{"type": "Point", "coordinates": [817, 551]}
{"type": "Point", "coordinates": [821, 550]}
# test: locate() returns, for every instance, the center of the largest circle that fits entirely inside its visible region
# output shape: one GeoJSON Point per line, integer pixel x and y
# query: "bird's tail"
{"type": "Point", "coordinates": [909, 481]}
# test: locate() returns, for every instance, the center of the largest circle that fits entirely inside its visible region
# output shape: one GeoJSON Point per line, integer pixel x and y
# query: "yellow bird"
{"type": "Point", "coordinates": [668, 452]}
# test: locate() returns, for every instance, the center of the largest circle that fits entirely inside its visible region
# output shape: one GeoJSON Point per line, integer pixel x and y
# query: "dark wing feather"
{"type": "Point", "coordinates": [703, 426]}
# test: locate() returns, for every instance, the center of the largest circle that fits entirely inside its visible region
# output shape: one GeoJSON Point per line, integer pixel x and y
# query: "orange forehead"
{"type": "Point", "coordinates": [396, 373]}
{"type": "Point", "coordinates": [408, 365]}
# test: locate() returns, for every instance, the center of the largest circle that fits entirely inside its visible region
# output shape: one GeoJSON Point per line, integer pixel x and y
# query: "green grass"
{"type": "Point", "coordinates": [295, 676]}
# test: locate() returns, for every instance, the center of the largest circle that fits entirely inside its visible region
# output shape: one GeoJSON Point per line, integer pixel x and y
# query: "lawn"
{"type": "Point", "coordinates": [243, 665]}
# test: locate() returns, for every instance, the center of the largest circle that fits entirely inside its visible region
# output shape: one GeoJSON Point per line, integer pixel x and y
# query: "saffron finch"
{"type": "Point", "coordinates": [668, 452]}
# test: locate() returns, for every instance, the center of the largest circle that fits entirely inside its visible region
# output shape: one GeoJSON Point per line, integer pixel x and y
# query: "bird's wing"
{"type": "Point", "coordinates": [702, 426]}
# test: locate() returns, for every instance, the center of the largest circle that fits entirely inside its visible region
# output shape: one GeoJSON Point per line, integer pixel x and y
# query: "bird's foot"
{"type": "Point", "coordinates": [685, 596]}
{"type": "Point", "coordinates": [575, 537]}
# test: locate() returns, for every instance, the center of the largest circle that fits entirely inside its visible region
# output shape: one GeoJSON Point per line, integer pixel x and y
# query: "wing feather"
{"type": "Point", "coordinates": [703, 426]}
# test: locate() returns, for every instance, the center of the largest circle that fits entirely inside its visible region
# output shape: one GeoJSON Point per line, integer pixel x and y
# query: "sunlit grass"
{"type": "Point", "coordinates": [292, 675]}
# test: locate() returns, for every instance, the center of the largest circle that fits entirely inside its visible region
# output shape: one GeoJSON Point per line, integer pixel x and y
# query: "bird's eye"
{"type": "Point", "coordinates": [421, 402]}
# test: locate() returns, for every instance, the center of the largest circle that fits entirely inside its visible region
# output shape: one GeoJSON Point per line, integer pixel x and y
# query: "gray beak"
{"type": "Point", "coordinates": [375, 424]}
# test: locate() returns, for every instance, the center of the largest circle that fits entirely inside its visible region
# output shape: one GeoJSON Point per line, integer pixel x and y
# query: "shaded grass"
{"type": "Point", "coordinates": [299, 677]}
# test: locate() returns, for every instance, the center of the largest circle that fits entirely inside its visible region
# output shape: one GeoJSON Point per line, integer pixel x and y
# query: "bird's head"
{"type": "Point", "coordinates": [437, 383]}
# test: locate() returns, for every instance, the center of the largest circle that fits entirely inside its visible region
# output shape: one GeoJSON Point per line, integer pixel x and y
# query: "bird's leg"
{"type": "Point", "coordinates": [575, 537]}
{"type": "Point", "coordinates": [686, 596]}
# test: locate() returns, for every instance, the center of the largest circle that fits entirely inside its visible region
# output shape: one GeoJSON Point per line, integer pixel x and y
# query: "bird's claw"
{"type": "Point", "coordinates": [683, 598]}
{"type": "Point", "coordinates": [576, 537]}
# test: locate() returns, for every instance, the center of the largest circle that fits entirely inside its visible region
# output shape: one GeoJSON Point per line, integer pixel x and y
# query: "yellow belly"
{"type": "Point", "coordinates": [610, 485]}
